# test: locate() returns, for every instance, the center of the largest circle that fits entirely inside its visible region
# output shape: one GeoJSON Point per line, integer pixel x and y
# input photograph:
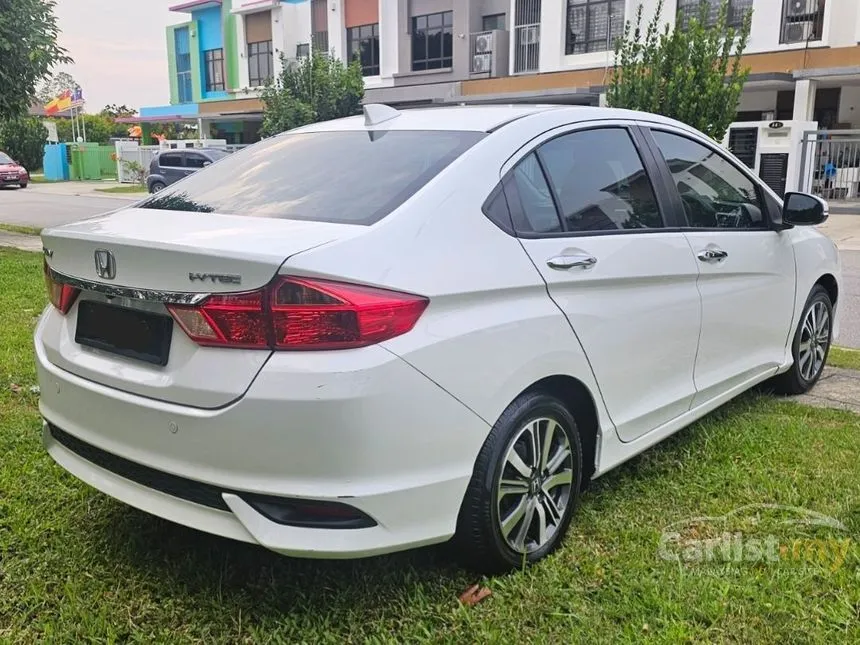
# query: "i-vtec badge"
{"type": "Point", "coordinates": [217, 278]}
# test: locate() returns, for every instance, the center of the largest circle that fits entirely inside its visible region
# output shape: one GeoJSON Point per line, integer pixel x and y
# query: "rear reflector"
{"type": "Point", "coordinates": [301, 314]}
{"type": "Point", "coordinates": [62, 296]}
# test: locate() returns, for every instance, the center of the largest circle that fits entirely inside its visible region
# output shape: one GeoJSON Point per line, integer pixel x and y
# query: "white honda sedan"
{"type": "Point", "coordinates": [395, 329]}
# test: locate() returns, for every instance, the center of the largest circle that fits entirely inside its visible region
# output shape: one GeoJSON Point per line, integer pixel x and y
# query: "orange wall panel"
{"type": "Point", "coordinates": [361, 12]}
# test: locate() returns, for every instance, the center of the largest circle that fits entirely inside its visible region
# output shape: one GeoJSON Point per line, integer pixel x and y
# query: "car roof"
{"type": "Point", "coordinates": [483, 118]}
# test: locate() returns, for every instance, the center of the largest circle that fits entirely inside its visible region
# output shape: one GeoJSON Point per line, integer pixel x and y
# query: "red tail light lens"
{"type": "Point", "coordinates": [62, 296]}
{"type": "Point", "coordinates": [298, 313]}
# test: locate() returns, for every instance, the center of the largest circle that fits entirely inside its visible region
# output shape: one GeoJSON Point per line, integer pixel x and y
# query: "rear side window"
{"type": "Point", "coordinates": [600, 182]}
{"type": "Point", "coordinates": [344, 177]}
{"type": "Point", "coordinates": [170, 161]}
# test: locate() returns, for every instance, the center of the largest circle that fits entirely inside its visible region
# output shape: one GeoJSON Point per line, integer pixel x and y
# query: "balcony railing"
{"type": "Point", "coordinates": [526, 48]}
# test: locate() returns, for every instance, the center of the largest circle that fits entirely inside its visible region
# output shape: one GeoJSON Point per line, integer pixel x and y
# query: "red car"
{"type": "Point", "coordinates": [12, 173]}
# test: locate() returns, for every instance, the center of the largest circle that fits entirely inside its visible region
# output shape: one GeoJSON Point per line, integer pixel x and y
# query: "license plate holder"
{"type": "Point", "coordinates": [132, 333]}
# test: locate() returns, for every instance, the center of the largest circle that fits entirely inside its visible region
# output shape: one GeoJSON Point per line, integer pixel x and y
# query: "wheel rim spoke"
{"type": "Point", "coordinates": [533, 490]}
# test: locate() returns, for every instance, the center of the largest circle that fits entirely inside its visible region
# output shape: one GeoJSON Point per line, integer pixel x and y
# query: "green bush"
{"type": "Point", "coordinates": [24, 140]}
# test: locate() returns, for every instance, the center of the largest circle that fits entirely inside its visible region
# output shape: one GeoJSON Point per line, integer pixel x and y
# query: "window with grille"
{"type": "Point", "coordinates": [363, 43]}
{"type": "Point", "coordinates": [319, 26]}
{"type": "Point", "coordinates": [214, 60]}
{"type": "Point", "coordinates": [593, 25]}
{"type": "Point", "coordinates": [802, 21]}
{"type": "Point", "coordinates": [433, 41]}
{"type": "Point", "coordinates": [260, 63]}
{"type": "Point", "coordinates": [735, 18]}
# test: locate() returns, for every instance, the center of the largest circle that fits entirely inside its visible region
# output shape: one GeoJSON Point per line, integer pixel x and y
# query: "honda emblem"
{"type": "Point", "coordinates": [105, 264]}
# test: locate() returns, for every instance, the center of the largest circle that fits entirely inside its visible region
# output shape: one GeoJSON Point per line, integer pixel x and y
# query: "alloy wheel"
{"type": "Point", "coordinates": [814, 339]}
{"type": "Point", "coordinates": [534, 487]}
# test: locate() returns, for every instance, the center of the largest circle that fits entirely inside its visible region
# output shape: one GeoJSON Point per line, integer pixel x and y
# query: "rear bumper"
{"type": "Point", "coordinates": [359, 427]}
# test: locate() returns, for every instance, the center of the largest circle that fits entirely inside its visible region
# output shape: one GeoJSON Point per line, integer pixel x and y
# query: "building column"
{"type": "Point", "coordinates": [336, 30]}
{"type": "Point", "coordinates": [242, 53]}
{"type": "Point", "coordinates": [389, 36]}
{"type": "Point", "coordinates": [279, 41]}
{"type": "Point", "coordinates": [553, 17]}
{"type": "Point", "coordinates": [804, 100]}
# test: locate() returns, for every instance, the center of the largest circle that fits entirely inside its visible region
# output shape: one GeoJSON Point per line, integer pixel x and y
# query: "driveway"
{"type": "Point", "coordinates": [43, 205]}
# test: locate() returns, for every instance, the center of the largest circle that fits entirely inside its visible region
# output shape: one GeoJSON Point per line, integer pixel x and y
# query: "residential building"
{"type": "Point", "coordinates": [803, 54]}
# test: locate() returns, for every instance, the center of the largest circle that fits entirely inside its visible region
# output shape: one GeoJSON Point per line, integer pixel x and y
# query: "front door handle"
{"type": "Point", "coordinates": [579, 260]}
{"type": "Point", "coordinates": [712, 255]}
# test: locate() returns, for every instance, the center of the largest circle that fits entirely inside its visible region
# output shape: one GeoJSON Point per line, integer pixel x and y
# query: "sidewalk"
{"type": "Point", "coordinates": [21, 241]}
{"type": "Point", "coordinates": [838, 388]}
{"type": "Point", "coordinates": [843, 229]}
{"type": "Point", "coordinates": [83, 188]}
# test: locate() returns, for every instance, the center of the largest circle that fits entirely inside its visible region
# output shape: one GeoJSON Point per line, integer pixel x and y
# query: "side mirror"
{"type": "Point", "coordinates": [207, 163]}
{"type": "Point", "coordinates": [803, 209]}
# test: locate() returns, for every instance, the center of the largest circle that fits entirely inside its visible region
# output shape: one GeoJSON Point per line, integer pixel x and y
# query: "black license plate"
{"type": "Point", "coordinates": [136, 334]}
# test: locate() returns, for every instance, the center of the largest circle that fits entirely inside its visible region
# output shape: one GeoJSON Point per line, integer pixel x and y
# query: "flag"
{"type": "Point", "coordinates": [60, 104]}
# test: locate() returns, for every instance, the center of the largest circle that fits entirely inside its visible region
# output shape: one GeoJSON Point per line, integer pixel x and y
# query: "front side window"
{"type": "Point", "coordinates": [350, 177]}
{"type": "Point", "coordinates": [433, 41]}
{"type": "Point", "coordinates": [194, 160]}
{"type": "Point", "coordinates": [260, 67]}
{"type": "Point", "coordinates": [593, 25]}
{"type": "Point", "coordinates": [363, 43]}
{"type": "Point", "coordinates": [599, 181]}
{"type": "Point", "coordinates": [715, 193]}
{"type": "Point", "coordinates": [802, 21]}
{"type": "Point", "coordinates": [214, 60]}
{"type": "Point", "coordinates": [737, 11]}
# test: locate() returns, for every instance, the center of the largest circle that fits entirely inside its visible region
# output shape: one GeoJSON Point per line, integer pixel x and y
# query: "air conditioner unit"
{"type": "Point", "coordinates": [484, 43]}
{"type": "Point", "coordinates": [802, 7]}
{"type": "Point", "coordinates": [798, 32]}
{"type": "Point", "coordinates": [482, 63]}
{"type": "Point", "coordinates": [530, 35]}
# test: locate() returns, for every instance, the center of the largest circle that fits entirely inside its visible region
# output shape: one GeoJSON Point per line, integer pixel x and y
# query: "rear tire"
{"type": "Point", "coordinates": [810, 346]}
{"type": "Point", "coordinates": [157, 186]}
{"type": "Point", "coordinates": [524, 488]}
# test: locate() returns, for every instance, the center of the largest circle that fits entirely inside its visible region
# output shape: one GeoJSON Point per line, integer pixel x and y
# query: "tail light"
{"type": "Point", "coordinates": [62, 296]}
{"type": "Point", "coordinates": [298, 313]}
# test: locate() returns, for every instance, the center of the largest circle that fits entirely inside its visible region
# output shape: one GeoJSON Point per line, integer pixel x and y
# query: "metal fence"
{"type": "Point", "coordinates": [830, 164]}
{"type": "Point", "coordinates": [526, 36]}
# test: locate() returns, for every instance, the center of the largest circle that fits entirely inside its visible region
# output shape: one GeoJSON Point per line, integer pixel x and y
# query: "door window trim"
{"type": "Point", "coordinates": [645, 158]}
{"type": "Point", "coordinates": [675, 196]}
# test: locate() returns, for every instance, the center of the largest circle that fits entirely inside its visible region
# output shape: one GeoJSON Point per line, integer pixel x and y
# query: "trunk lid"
{"type": "Point", "coordinates": [179, 252]}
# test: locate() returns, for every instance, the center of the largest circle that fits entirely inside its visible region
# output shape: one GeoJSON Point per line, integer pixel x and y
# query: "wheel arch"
{"type": "Point", "coordinates": [828, 281]}
{"type": "Point", "coordinates": [578, 399]}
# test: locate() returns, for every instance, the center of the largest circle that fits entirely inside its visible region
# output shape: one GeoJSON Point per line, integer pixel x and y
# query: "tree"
{"type": "Point", "coordinates": [52, 87]}
{"type": "Point", "coordinates": [23, 139]}
{"type": "Point", "coordinates": [318, 88]}
{"type": "Point", "coordinates": [115, 111]}
{"type": "Point", "coordinates": [28, 51]}
{"type": "Point", "coordinates": [691, 74]}
{"type": "Point", "coordinates": [99, 128]}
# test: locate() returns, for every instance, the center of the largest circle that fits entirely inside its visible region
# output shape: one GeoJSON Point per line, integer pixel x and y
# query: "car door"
{"type": "Point", "coordinates": [747, 271]}
{"type": "Point", "coordinates": [589, 218]}
{"type": "Point", "coordinates": [172, 166]}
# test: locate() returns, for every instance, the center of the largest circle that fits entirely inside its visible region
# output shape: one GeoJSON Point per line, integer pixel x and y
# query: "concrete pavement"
{"type": "Point", "coordinates": [43, 205]}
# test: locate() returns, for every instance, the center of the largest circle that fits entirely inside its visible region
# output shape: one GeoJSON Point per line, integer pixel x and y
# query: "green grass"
{"type": "Point", "coordinates": [844, 357]}
{"type": "Point", "coordinates": [123, 189]}
{"type": "Point", "coordinates": [24, 230]}
{"type": "Point", "coordinates": [38, 179]}
{"type": "Point", "coordinates": [76, 566]}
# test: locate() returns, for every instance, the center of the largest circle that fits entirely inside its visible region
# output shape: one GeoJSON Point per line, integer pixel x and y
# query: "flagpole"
{"type": "Point", "coordinates": [83, 123]}
{"type": "Point", "coordinates": [74, 124]}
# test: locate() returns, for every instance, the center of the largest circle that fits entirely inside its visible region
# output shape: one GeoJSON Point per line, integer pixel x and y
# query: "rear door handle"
{"type": "Point", "coordinates": [579, 260]}
{"type": "Point", "coordinates": [712, 255]}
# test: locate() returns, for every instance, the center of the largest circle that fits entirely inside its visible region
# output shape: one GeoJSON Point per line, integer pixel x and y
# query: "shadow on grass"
{"type": "Point", "coordinates": [180, 560]}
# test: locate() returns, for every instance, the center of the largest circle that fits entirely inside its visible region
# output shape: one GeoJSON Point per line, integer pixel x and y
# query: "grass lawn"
{"type": "Point", "coordinates": [844, 357]}
{"type": "Point", "coordinates": [133, 188]}
{"type": "Point", "coordinates": [24, 230]}
{"type": "Point", "coordinates": [76, 566]}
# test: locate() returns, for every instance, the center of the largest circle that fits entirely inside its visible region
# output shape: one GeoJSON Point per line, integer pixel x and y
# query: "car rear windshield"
{"type": "Point", "coordinates": [354, 177]}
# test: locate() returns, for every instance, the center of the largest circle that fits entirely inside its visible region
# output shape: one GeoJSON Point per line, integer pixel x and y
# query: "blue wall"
{"type": "Point", "coordinates": [188, 109]}
{"type": "Point", "coordinates": [210, 36]}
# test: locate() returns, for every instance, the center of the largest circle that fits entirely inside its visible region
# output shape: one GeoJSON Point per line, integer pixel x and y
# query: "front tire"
{"type": "Point", "coordinates": [524, 489]}
{"type": "Point", "coordinates": [23, 184]}
{"type": "Point", "coordinates": [810, 346]}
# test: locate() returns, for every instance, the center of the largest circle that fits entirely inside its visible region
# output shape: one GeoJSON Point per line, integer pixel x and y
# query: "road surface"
{"type": "Point", "coordinates": [42, 205]}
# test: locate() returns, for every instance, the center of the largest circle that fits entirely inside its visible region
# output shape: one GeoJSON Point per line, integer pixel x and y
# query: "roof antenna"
{"type": "Point", "coordinates": [376, 113]}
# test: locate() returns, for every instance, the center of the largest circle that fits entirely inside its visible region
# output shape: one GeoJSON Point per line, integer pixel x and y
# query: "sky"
{"type": "Point", "coordinates": [119, 49]}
